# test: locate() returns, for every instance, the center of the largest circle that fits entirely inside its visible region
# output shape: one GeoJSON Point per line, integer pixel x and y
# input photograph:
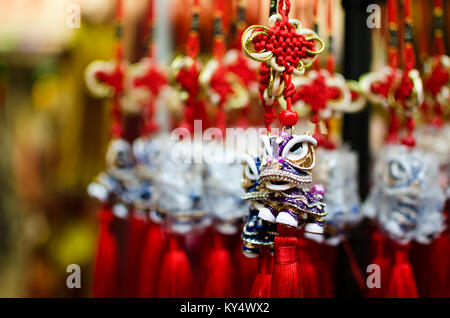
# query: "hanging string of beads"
{"type": "Point", "coordinates": [407, 94]}
{"type": "Point", "coordinates": [218, 81]}
{"type": "Point", "coordinates": [187, 71]}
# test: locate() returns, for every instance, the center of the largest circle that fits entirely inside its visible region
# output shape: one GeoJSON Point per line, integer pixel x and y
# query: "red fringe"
{"type": "Point", "coordinates": [286, 279]}
{"type": "Point", "coordinates": [246, 267]}
{"type": "Point", "coordinates": [200, 260]}
{"type": "Point", "coordinates": [175, 279]}
{"type": "Point", "coordinates": [402, 283]}
{"type": "Point", "coordinates": [381, 258]}
{"type": "Point", "coordinates": [310, 282]}
{"type": "Point", "coordinates": [106, 271]}
{"type": "Point", "coordinates": [261, 287]}
{"type": "Point", "coordinates": [220, 273]}
{"type": "Point", "coordinates": [324, 260]}
{"type": "Point", "coordinates": [439, 268]}
{"type": "Point", "coordinates": [137, 225]}
{"type": "Point", "coordinates": [151, 258]}
{"type": "Point", "coordinates": [420, 261]}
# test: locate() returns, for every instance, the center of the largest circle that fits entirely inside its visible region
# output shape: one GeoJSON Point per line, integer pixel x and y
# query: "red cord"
{"type": "Point", "coordinates": [393, 58]}
{"type": "Point", "coordinates": [439, 45]}
{"type": "Point", "coordinates": [148, 32]}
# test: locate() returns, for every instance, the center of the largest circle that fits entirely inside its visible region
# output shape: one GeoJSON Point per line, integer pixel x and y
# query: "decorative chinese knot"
{"type": "Point", "coordinates": [285, 48]}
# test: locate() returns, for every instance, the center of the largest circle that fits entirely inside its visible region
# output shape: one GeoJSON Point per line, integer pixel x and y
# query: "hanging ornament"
{"type": "Point", "coordinates": [434, 137]}
{"type": "Point", "coordinates": [244, 68]}
{"type": "Point", "coordinates": [437, 71]}
{"type": "Point", "coordinates": [223, 88]}
{"type": "Point", "coordinates": [180, 198]}
{"type": "Point", "coordinates": [257, 235]}
{"type": "Point", "coordinates": [406, 200]}
{"type": "Point", "coordinates": [406, 93]}
{"type": "Point", "coordinates": [285, 49]}
{"type": "Point", "coordinates": [327, 95]}
{"type": "Point", "coordinates": [146, 80]}
{"type": "Point", "coordinates": [376, 85]}
{"type": "Point", "coordinates": [105, 79]}
{"type": "Point", "coordinates": [185, 72]}
{"type": "Point", "coordinates": [324, 92]}
{"type": "Point", "coordinates": [144, 83]}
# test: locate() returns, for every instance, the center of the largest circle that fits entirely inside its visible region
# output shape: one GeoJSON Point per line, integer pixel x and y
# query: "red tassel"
{"type": "Point", "coordinates": [200, 260]}
{"type": "Point", "coordinates": [261, 287]}
{"type": "Point", "coordinates": [136, 232]}
{"type": "Point", "coordinates": [246, 267]}
{"type": "Point", "coordinates": [324, 263]}
{"type": "Point", "coordinates": [151, 258]}
{"type": "Point", "coordinates": [439, 269]}
{"type": "Point", "coordinates": [402, 283]}
{"type": "Point", "coordinates": [220, 271]}
{"type": "Point", "coordinates": [175, 280]}
{"type": "Point", "coordinates": [380, 258]}
{"type": "Point", "coordinates": [286, 280]}
{"type": "Point", "coordinates": [420, 261]}
{"type": "Point", "coordinates": [308, 273]}
{"type": "Point", "coordinates": [106, 272]}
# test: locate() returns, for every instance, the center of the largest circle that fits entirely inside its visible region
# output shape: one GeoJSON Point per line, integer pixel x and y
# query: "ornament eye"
{"type": "Point", "coordinates": [251, 171]}
{"type": "Point", "coordinates": [397, 170]}
{"type": "Point", "coordinates": [297, 148]}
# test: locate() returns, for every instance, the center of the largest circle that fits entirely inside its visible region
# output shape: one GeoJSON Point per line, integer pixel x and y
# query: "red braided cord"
{"type": "Point", "coordinates": [408, 54]}
{"type": "Point", "coordinates": [406, 87]}
{"type": "Point", "coordinates": [219, 43]}
{"type": "Point", "coordinates": [188, 78]}
{"type": "Point", "coordinates": [393, 57]}
{"type": "Point", "coordinates": [148, 36]}
{"type": "Point", "coordinates": [287, 8]}
{"type": "Point", "coordinates": [116, 79]}
{"type": "Point", "coordinates": [118, 34]}
{"type": "Point", "coordinates": [439, 45]}
{"type": "Point", "coordinates": [330, 58]}
{"type": "Point", "coordinates": [269, 110]}
{"type": "Point", "coordinates": [315, 9]}
{"type": "Point", "coordinates": [330, 16]}
{"type": "Point", "coordinates": [316, 29]}
{"type": "Point", "coordinates": [193, 42]}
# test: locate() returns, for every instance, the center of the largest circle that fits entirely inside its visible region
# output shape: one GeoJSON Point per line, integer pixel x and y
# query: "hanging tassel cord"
{"type": "Point", "coordinates": [402, 282]}
{"type": "Point", "coordinates": [153, 80]}
{"type": "Point", "coordinates": [151, 259]}
{"type": "Point", "coordinates": [176, 278]}
{"type": "Point", "coordinates": [261, 287]}
{"type": "Point", "coordinates": [149, 30]}
{"type": "Point", "coordinates": [393, 61]}
{"type": "Point", "coordinates": [106, 271]}
{"type": "Point", "coordinates": [286, 279]}
{"type": "Point", "coordinates": [438, 32]}
{"type": "Point", "coordinates": [354, 266]}
{"type": "Point", "coordinates": [188, 78]}
{"type": "Point", "coordinates": [219, 82]}
{"type": "Point", "coordinates": [220, 271]}
{"type": "Point", "coordinates": [439, 76]}
{"type": "Point", "coordinates": [406, 87]}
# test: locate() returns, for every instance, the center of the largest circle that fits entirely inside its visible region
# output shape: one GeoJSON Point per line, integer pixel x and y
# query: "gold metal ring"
{"type": "Point", "coordinates": [322, 45]}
